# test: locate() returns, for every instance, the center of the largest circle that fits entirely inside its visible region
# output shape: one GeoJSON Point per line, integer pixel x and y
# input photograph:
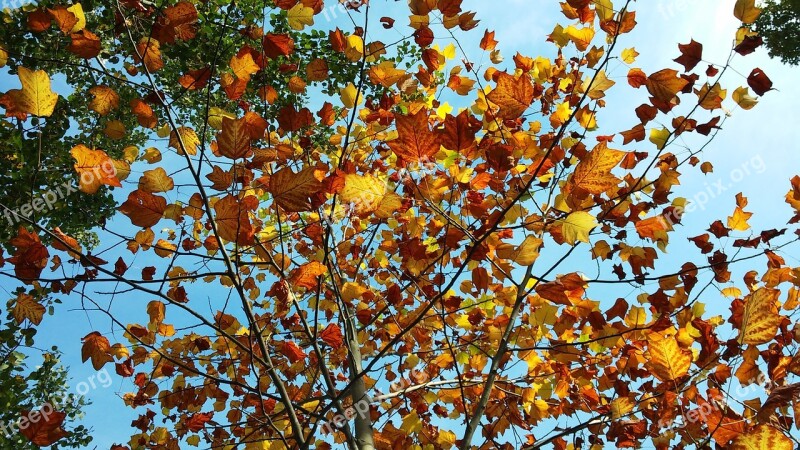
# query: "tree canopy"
{"type": "Point", "coordinates": [320, 225]}
{"type": "Point", "coordinates": [779, 26]}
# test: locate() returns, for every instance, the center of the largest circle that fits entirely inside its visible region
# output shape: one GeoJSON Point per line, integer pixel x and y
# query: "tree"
{"type": "Point", "coordinates": [326, 251]}
{"type": "Point", "coordinates": [44, 389]}
{"type": "Point", "coordinates": [779, 25]}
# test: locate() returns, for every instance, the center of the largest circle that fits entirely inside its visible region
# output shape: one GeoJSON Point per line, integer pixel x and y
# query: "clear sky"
{"type": "Point", "coordinates": [765, 137]}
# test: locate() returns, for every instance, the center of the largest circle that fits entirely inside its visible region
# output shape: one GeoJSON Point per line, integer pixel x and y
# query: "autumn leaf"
{"type": "Point", "coordinates": [34, 98]}
{"type": "Point", "coordinates": [300, 16]}
{"type": "Point", "coordinates": [762, 437]}
{"type": "Point", "coordinates": [665, 84]}
{"type": "Point", "coordinates": [293, 191]}
{"type": "Point", "coordinates": [234, 140]}
{"type": "Point", "coordinates": [233, 221]}
{"type": "Point", "coordinates": [97, 348]}
{"type": "Point", "coordinates": [667, 360]}
{"type": "Point", "coordinates": [94, 168]}
{"type": "Point", "coordinates": [156, 180]}
{"type": "Point", "coordinates": [691, 55]}
{"type": "Point", "coordinates": [576, 226]}
{"type": "Point", "coordinates": [306, 276]}
{"type": "Point", "coordinates": [44, 427]}
{"type": "Point", "coordinates": [593, 173]}
{"type": "Point", "coordinates": [26, 307]}
{"type": "Point", "coordinates": [143, 208]}
{"type": "Point", "coordinates": [416, 142]}
{"type": "Point", "coordinates": [367, 194]}
{"type": "Point", "coordinates": [746, 11]}
{"type": "Point", "coordinates": [332, 335]}
{"type": "Point", "coordinates": [513, 95]}
{"type": "Point", "coordinates": [105, 100]}
{"type": "Point", "coordinates": [760, 320]}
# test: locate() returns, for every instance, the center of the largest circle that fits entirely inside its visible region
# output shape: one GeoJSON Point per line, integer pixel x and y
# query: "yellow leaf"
{"type": "Point", "coordinates": [746, 11]}
{"type": "Point", "coordinates": [738, 221]}
{"type": "Point", "coordinates": [667, 360]}
{"type": "Point", "coordinates": [368, 195]}
{"type": "Point", "coordinates": [157, 311]}
{"type": "Point", "coordinates": [593, 173]}
{"type": "Point", "coordinates": [580, 37]}
{"type": "Point", "coordinates": [164, 248]}
{"type": "Point", "coordinates": [77, 10]}
{"type": "Point", "coordinates": [244, 67]}
{"type": "Point", "coordinates": [576, 226]}
{"type": "Point", "coordinates": [348, 96]}
{"type": "Point", "coordinates": [597, 88]}
{"type": "Point", "coordinates": [105, 100]}
{"type": "Point", "coordinates": [411, 423]}
{"type": "Point", "coordinates": [156, 180]}
{"type": "Point", "coordinates": [629, 55]}
{"type": "Point", "coordinates": [3, 56]}
{"type": "Point", "coordinates": [743, 98]}
{"type": "Point", "coordinates": [300, 16]}
{"type": "Point", "coordinates": [35, 97]}
{"type": "Point", "coordinates": [524, 254]}
{"type": "Point", "coordinates": [187, 137]}
{"type": "Point", "coordinates": [760, 320]}
{"type": "Point", "coordinates": [762, 437]}
{"type": "Point", "coordinates": [659, 137]}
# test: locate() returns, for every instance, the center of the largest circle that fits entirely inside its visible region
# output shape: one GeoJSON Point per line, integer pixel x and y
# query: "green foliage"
{"type": "Point", "coordinates": [779, 25]}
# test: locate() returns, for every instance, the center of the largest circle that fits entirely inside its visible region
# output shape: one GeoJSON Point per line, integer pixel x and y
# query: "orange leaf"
{"type": "Point", "coordinates": [26, 307]}
{"type": "Point", "coordinates": [233, 219]}
{"type": "Point", "coordinates": [593, 173]}
{"type": "Point", "coordinates": [416, 142]}
{"type": "Point", "coordinates": [332, 335]}
{"type": "Point", "coordinates": [96, 347]}
{"type": "Point", "coordinates": [234, 140]}
{"type": "Point", "coordinates": [763, 437]}
{"type": "Point", "coordinates": [293, 191]}
{"type": "Point", "coordinates": [143, 208]}
{"type": "Point", "coordinates": [306, 275]}
{"type": "Point", "coordinates": [665, 84]}
{"type": "Point", "coordinates": [44, 426]}
{"type": "Point", "coordinates": [95, 169]}
{"type": "Point", "coordinates": [513, 95]}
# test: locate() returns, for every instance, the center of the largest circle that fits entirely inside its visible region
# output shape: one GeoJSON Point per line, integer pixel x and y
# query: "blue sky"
{"type": "Point", "coordinates": [766, 135]}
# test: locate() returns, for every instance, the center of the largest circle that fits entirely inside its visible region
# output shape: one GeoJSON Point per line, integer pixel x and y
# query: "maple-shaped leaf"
{"type": "Point", "coordinates": [143, 208]}
{"type": "Point", "coordinates": [233, 218]}
{"type": "Point", "coordinates": [26, 307]}
{"type": "Point", "coordinates": [97, 348]}
{"type": "Point", "coordinates": [593, 172]}
{"type": "Point", "coordinates": [332, 335]}
{"type": "Point", "coordinates": [30, 257]}
{"type": "Point", "coordinates": [666, 359]}
{"type": "Point", "coordinates": [760, 320]}
{"type": "Point", "coordinates": [85, 44]}
{"type": "Point", "coordinates": [691, 55]}
{"type": "Point", "coordinates": [459, 131]}
{"type": "Point", "coordinates": [34, 98]}
{"type": "Point", "coordinates": [44, 427]}
{"type": "Point", "coordinates": [307, 275]}
{"type": "Point", "coordinates": [763, 437]}
{"type": "Point", "coordinates": [276, 45]}
{"type": "Point", "coordinates": [513, 95]}
{"type": "Point", "coordinates": [156, 180]}
{"type": "Point", "coordinates": [234, 140]}
{"type": "Point", "coordinates": [665, 84]}
{"type": "Point", "coordinates": [95, 168]}
{"type": "Point", "coordinates": [198, 421]}
{"type": "Point", "coordinates": [293, 191]}
{"type": "Point", "coordinates": [243, 65]}
{"type": "Point", "coordinates": [576, 227]}
{"type": "Point", "coordinates": [367, 194]}
{"type": "Point", "coordinates": [299, 16]}
{"type": "Point", "coordinates": [416, 142]}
